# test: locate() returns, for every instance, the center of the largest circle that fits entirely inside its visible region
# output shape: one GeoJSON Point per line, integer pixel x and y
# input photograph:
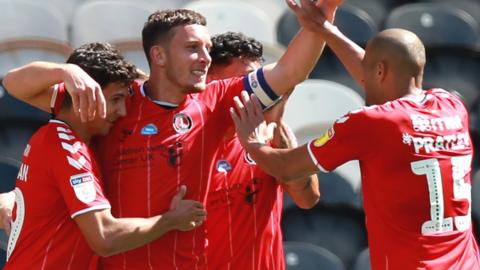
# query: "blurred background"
{"type": "Point", "coordinates": [332, 235]}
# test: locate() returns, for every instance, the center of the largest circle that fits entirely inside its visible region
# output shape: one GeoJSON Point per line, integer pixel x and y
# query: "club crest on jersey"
{"type": "Point", "coordinates": [182, 123]}
{"type": "Point", "coordinates": [223, 166]}
{"type": "Point", "coordinates": [84, 187]}
{"type": "Point", "coordinates": [249, 159]}
{"type": "Point", "coordinates": [324, 138]}
{"type": "Point", "coordinates": [149, 129]}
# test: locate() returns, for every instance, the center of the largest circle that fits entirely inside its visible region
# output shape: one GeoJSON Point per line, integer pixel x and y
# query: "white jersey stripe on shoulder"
{"type": "Point", "coordinates": [65, 136]}
{"type": "Point", "coordinates": [314, 159]}
{"type": "Point", "coordinates": [72, 148]}
{"type": "Point", "coordinates": [89, 209]}
{"type": "Point", "coordinates": [63, 130]}
{"type": "Point", "coordinates": [77, 164]}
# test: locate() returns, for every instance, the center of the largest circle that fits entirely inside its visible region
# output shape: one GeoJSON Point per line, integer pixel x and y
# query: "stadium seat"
{"type": "Point", "coordinates": [352, 19]}
{"type": "Point", "coordinates": [338, 228]}
{"type": "Point", "coordinates": [330, 68]}
{"type": "Point", "coordinates": [247, 18]}
{"type": "Point", "coordinates": [31, 31]}
{"type": "Point", "coordinates": [121, 26]}
{"type": "Point", "coordinates": [109, 21]}
{"type": "Point", "coordinates": [363, 261]}
{"type": "Point", "coordinates": [305, 256]}
{"type": "Point", "coordinates": [454, 70]}
{"type": "Point", "coordinates": [440, 24]}
{"type": "Point", "coordinates": [12, 109]}
{"type": "Point", "coordinates": [14, 136]}
{"type": "Point", "coordinates": [336, 189]}
{"type": "Point", "coordinates": [65, 7]}
{"type": "Point", "coordinates": [316, 104]}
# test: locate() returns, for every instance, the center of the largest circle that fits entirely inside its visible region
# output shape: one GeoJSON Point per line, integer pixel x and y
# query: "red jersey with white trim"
{"type": "Point", "coordinates": [244, 209]}
{"type": "Point", "coordinates": [154, 150]}
{"type": "Point", "coordinates": [58, 180]}
{"type": "Point", "coordinates": [415, 160]}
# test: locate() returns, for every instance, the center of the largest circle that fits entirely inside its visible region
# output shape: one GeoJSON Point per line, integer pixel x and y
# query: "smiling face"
{"type": "Point", "coordinates": [115, 95]}
{"type": "Point", "coordinates": [187, 57]}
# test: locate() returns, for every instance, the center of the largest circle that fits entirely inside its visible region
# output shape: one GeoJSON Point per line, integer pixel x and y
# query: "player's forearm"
{"type": "Point", "coordinates": [128, 233]}
{"type": "Point", "coordinates": [296, 63]}
{"type": "Point", "coordinates": [31, 83]}
{"type": "Point", "coordinates": [284, 164]}
{"type": "Point", "coordinates": [304, 192]}
{"type": "Point", "coordinates": [349, 53]}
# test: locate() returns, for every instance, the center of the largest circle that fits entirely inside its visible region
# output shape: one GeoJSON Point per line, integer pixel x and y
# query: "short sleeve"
{"type": "Point", "coordinates": [346, 140]}
{"type": "Point", "coordinates": [76, 175]}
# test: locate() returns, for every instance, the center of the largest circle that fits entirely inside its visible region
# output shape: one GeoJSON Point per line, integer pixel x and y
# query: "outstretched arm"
{"type": "Point", "coordinates": [301, 55]}
{"type": "Point", "coordinates": [316, 19]}
{"type": "Point", "coordinates": [284, 164]}
{"type": "Point", "coordinates": [33, 82]}
{"type": "Point", "coordinates": [107, 235]}
{"type": "Point", "coordinates": [304, 191]}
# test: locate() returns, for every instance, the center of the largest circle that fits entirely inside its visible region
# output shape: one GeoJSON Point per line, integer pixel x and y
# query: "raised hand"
{"type": "Point", "coordinates": [87, 96]}
{"type": "Point", "coordinates": [315, 16]}
{"type": "Point", "coordinates": [248, 117]}
{"type": "Point", "coordinates": [185, 214]}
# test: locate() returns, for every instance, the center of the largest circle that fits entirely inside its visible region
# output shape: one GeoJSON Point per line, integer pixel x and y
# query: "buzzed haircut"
{"type": "Point", "coordinates": [158, 26]}
{"type": "Point", "coordinates": [230, 45]}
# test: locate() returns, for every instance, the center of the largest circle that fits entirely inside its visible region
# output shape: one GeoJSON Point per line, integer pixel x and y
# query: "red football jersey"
{"type": "Point", "coordinates": [58, 180]}
{"type": "Point", "coordinates": [153, 150]}
{"type": "Point", "coordinates": [415, 162]}
{"type": "Point", "coordinates": [244, 209]}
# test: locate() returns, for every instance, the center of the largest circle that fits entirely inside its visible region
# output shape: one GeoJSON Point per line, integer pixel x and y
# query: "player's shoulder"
{"type": "Point", "coordinates": [445, 97]}
{"type": "Point", "coordinates": [61, 141]}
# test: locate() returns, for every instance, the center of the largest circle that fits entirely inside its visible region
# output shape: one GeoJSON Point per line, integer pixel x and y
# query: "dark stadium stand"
{"type": "Point", "coordinates": [362, 262]}
{"type": "Point", "coordinates": [306, 256]}
{"type": "Point", "coordinates": [440, 24]}
{"type": "Point", "coordinates": [338, 228]}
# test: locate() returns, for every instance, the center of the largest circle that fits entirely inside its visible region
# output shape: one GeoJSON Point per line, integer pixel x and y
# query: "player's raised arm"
{"type": "Point", "coordinates": [301, 55]}
{"type": "Point", "coordinates": [33, 82]}
{"type": "Point", "coordinates": [107, 235]}
{"type": "Point", "coordinates": [317, 19]}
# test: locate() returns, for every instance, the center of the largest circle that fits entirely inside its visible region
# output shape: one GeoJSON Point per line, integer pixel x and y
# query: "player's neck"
{"type": "Point", "coordinates": [162, 89]}
{"type": "Point", "coordinates": [75, 124]}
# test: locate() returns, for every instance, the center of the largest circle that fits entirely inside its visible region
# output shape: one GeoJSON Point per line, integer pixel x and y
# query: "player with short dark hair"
{"type": "Point", "coordinates": [413, 145]}
{"type": "Point", "coordinates": [61, 212]}
{"type": "Point", "coordinates": [245, 204]}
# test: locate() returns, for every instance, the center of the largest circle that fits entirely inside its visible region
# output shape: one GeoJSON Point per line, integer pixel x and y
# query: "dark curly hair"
{"type": "Point", "coordinates": [158, 26]}
{"type": "Point", "coordinates": [231, 45]}
{"type": "Point", "coordinates": [103, 63]}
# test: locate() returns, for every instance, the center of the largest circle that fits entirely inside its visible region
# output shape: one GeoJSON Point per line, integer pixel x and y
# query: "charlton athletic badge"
{"type": "Point", "coordinates": [182, 123]}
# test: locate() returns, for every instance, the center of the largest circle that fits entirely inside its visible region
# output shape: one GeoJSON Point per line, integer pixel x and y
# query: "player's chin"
{"type": "Point", "coordinates": [197, 88]}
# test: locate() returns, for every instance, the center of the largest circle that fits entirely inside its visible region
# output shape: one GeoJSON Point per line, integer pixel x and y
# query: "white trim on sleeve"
{"type": "Point", "coordinates": [93, 208]}
{"type": "Point", "coordinates": [314, 159]}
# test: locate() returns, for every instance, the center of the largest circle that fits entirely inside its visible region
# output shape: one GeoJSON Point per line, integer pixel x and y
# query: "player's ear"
{"type": "Point", "coordinates": [158, 55]}
{"type": "Point", "coordinates": [381, 71]}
